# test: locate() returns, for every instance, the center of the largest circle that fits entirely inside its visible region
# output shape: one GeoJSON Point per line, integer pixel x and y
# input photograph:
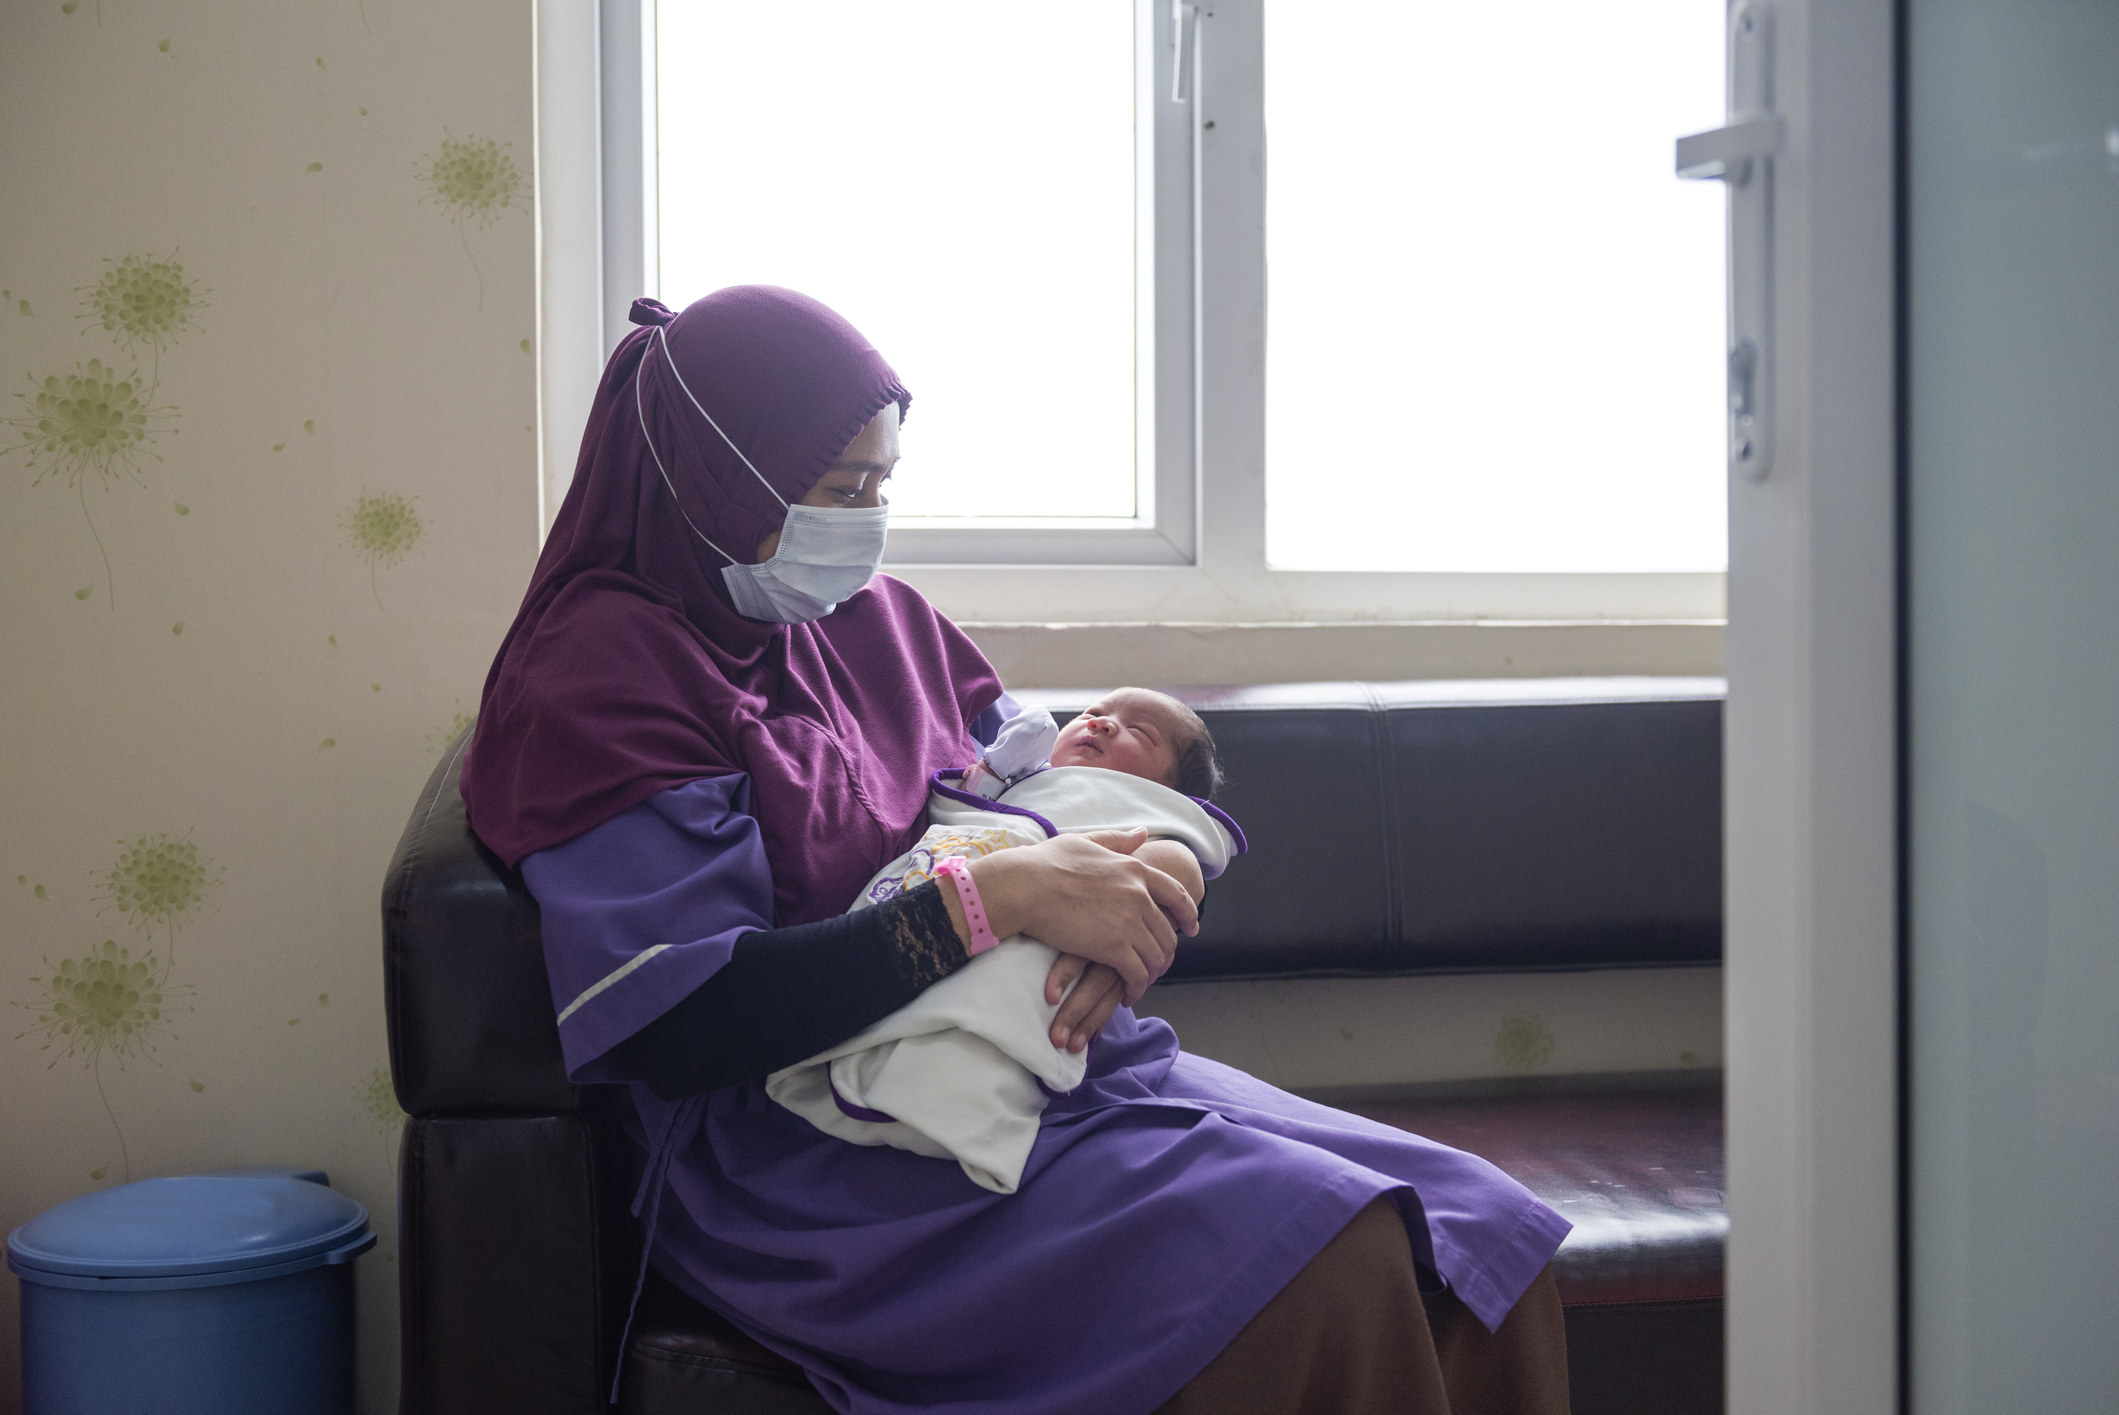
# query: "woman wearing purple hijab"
{"type": "Point", "coordinates": [710, 723]}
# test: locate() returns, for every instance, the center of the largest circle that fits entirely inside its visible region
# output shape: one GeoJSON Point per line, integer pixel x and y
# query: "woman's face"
{"type": "Point", "coordinates": [857, 478]}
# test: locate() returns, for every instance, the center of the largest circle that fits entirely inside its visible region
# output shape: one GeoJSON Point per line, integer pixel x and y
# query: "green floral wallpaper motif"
{"type": "Point", "coordinates": [439, 739]}
{"type": "Point", "coordinates": [1524, 1044]}
{"type": "Point", "coordinates": [158, 882]}
{"type": "Point", "coordinates": [475, 180]}
{"type": "Point", "coordinates": [376, 1100]}
{"type": "Point", "coordinates": [95, 420]}
{"type": "Point", "coordinates": [142, 300]}
{"type": "Point", "coordinates": [105, 1003]}
{"type": "Point", "coordinates": [92, 421]}
{"type": "Point", "coordinates": [110, 1002]}
{"type": "Point", "coordinates": [382, 528]}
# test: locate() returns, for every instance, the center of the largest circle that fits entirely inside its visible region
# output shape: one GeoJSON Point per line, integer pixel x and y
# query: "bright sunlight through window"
{"type": "Point", "coordinates": [956, 177]}
{"type": "Point", "coordinates": [1495, 319]}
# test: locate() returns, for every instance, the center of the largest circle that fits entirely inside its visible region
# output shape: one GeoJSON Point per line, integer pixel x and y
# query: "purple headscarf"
{"type": "Point", "coordinates": [627, 672]}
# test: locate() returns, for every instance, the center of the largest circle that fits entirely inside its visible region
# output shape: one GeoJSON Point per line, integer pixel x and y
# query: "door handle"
{"type": "Point", "coordinates": [1184, 37]}
{"type": "Point", "coordinates": [1740, 155]}
{"type": "Point", "coordinates": [1726, 154]}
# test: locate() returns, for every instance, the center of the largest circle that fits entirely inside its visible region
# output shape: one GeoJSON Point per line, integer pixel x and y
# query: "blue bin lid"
{"type": "Point", "coordinates": [200, 1223]}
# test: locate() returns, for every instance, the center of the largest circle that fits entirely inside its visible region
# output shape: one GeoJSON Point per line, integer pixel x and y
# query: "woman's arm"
{"type": "Point", "coordinates": [789, 993]}
{"type": "Point", "coordinates": [666, 969]}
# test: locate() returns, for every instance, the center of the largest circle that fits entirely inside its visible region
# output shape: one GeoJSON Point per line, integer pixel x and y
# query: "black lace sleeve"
{"type": "Point", "coordinates": [790, 993]}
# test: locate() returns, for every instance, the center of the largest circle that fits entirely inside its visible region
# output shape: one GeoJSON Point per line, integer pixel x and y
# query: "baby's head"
{"type": "Point", "coordinates": [1144, 734]}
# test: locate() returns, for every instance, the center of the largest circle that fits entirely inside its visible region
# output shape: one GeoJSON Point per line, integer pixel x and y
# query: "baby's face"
{"type": "Point", "coordinates": [1131, 730]}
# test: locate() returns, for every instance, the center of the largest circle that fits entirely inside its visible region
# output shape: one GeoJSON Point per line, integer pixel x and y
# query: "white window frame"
{"type": "Point", "coordinates": [1202, 555]}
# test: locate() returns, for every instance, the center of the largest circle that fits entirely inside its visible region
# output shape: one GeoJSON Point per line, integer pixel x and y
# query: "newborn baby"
{"type": "Point", "coordinates": [956, 1073]}
{"type": "Point", "coordinates": [1137, 731]}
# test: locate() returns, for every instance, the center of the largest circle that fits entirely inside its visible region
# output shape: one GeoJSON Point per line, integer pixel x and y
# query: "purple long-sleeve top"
{"type": "Point", "coordinates": [1165, 1202]}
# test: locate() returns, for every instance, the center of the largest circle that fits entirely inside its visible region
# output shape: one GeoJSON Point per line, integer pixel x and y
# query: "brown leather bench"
{"type": "Point", "coordinates": [1637, 1168]}
{"type": "Point", "coordinates": [1486, 827]}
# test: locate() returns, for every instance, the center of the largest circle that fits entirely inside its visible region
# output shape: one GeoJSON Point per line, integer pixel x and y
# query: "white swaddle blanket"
{"type": "Point", "coordinates": [955, 1073]}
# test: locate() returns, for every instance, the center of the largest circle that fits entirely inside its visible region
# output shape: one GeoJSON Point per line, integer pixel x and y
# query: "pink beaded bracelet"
{"type": "Point", "coordinates": [959, 874]}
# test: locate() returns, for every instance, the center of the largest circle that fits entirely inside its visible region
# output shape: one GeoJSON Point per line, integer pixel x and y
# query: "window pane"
{"type": "Point", "coordinates": [957, 178]}
{"type": "Point", "coordinates": [1495, 318]}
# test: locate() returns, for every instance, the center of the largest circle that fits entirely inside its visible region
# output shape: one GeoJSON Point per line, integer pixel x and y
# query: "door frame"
{"type": "Point", "coordinates": [1811, 772]}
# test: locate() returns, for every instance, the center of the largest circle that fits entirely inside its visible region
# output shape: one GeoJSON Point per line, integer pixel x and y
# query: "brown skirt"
{"type": "Point", "coordinates": [1351, 1334]}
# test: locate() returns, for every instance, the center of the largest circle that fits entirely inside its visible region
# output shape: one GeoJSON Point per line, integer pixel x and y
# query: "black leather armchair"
{"type": "Point", "coordinates": [1474, 827]}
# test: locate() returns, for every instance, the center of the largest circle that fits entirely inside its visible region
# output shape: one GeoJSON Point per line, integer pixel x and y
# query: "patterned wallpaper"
{"type": "Point", "coordinates": [267, 501]}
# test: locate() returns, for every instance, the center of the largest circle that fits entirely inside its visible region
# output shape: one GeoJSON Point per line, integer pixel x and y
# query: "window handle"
{"type": "Point", "coordinates": [1184, 38]}
{"type": "Point", "coordinates": [1740, 154]}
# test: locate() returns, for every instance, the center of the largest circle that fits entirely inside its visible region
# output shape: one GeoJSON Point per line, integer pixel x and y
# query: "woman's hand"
{"type": "Point", "coordinates": [1087, 896]}
{"type": "Point", "coordinates": [1088, 1007]}
{"type": "Point", "coordinates": [1101, 990]}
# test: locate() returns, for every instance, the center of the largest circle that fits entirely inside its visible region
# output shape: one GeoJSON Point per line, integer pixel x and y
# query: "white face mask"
{"type": "Point", "coordinates": [825, 554]}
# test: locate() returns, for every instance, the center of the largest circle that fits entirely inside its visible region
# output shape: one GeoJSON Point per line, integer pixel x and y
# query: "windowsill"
{"type": "Point", "coordinates": [1231, 585]}
{"type": "Point", "coordinates": [1177, 654]}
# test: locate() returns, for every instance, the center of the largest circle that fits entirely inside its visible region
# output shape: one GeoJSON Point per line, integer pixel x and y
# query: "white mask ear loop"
{"type": "Point", "coordinates": [645, 437]}
{"type": "Point", "coordinates": [662, 334]}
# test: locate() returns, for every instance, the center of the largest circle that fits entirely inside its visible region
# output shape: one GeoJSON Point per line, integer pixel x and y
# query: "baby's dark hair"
{"type": "Point", "coordinates": [1199, 770]}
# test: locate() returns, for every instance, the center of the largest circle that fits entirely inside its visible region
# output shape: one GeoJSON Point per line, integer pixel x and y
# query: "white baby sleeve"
{"type": "Point", "coordinates": [1025, 742]}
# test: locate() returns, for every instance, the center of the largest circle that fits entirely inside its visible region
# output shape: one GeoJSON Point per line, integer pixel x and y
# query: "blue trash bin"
{"type": "Point", "coordinates": [210, 1294]}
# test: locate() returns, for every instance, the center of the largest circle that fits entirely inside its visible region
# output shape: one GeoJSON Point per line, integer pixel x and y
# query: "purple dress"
{"type": "Point", "coordinates": [1166, 1200]}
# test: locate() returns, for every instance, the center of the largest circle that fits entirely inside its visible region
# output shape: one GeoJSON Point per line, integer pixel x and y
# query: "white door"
{"type": "Point", "coordinates": [1924, 707]}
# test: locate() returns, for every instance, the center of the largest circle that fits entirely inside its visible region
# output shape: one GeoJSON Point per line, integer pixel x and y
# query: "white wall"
{"type": "Point", "coordinates": [1313, 1034]}
{"type": "Point", "coordinates": [266, 694]}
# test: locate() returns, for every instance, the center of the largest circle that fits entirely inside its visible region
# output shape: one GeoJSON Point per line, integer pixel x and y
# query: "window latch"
{"type": "Point", "coordinates": [1740, 155]}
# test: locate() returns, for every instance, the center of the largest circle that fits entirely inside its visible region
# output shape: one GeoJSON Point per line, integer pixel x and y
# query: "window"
{"type": "Point", "coordinates": [973, 185]}
{"type": "Point", "coordinates": [979, 228]}
{"type": "Point", "coordinates": [1492, 315]}
{"type": "Point", "coordinates": [1481, 380]}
